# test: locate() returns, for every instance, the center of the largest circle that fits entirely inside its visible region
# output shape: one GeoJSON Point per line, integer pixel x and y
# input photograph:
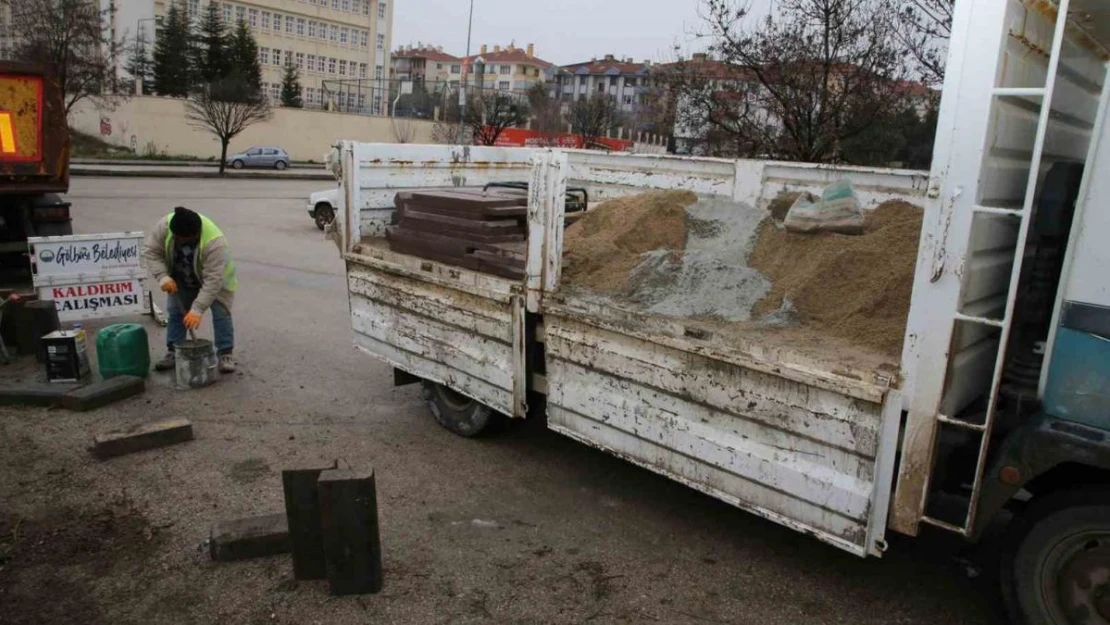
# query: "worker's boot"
{"type": "Point", "coordinates": [168, 362]}
{"type": "Point", "coordinates": [227, 363]}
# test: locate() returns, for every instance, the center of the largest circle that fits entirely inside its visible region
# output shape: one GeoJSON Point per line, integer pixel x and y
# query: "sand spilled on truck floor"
{"type": "Point", "coordinates": [854, 287]}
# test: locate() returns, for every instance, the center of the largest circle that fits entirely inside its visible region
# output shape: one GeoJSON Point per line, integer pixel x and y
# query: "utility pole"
{"type": "Point", "coordinates": [462, 87]}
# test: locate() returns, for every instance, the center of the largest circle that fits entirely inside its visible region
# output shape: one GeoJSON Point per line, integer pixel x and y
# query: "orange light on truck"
{"type": "Point", "coordinates": [7, 134]}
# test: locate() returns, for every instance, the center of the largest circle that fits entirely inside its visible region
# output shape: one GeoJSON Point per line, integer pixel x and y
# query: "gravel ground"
{"type": "Point", "coordinates": [527, 527]}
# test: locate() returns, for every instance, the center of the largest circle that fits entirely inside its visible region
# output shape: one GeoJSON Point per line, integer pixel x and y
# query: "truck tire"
{"type": "Point", "coordinates": [458, 413]}
{"type": "Point", "coordinates": [323, 215]}
{"type": "Point", "coordinates": [1055, 567]}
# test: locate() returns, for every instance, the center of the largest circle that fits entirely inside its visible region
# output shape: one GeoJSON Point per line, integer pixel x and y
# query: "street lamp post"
{"type": "Point", "coordinates": [462, 88]}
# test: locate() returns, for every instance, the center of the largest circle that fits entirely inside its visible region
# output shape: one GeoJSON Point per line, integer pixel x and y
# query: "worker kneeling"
{"type": "Point", "coordinates": [191, 260]}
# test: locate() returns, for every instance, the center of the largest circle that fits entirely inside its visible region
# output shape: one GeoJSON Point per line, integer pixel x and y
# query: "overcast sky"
{"type": "Point", "coordinates": [564, 31]}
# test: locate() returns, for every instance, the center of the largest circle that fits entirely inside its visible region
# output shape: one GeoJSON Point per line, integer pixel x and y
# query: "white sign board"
{"type": "Point", "coordinates": [90, 276]}
{"type": "Point", "coordinates": [95, 300]}
{"type": "Point", "coordinates": [79, 257]}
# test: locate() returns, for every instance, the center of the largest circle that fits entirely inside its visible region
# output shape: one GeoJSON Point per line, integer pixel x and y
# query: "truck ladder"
{"type": "Point", "coordinates": [1023, 213]}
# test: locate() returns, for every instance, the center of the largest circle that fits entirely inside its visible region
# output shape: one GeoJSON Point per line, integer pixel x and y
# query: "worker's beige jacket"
{"type": "Point", "coordinates": [215, 259]}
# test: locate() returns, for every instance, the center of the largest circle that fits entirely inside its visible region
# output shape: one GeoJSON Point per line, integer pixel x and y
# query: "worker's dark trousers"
{"type": "Point", "coordinates": [222, 327]}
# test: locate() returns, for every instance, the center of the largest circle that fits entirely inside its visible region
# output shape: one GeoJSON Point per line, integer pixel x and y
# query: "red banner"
{"type": "Point", "coordinates": [524, 138]}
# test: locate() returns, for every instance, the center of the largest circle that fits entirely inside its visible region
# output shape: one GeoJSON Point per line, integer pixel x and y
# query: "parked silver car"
{"type": "Point", "coordinates": [260, 157]}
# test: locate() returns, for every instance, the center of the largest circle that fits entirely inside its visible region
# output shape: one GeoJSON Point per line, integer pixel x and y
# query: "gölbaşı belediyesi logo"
{"type": "Point", "coordinates": [46, 256]}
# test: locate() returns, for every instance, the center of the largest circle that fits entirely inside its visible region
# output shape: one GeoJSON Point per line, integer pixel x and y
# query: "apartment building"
{"type": "Point", "coordinates": [624, 80]}
{"type": "Point", "coordinates": [425, 63]}
{"type": "Point", "coordinates": [507, 69]}
{"type": "Point", "coordinates": [328, 41]}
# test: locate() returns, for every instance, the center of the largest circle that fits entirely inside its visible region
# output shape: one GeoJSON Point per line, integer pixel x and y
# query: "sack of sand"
{"type": "Point", "coordinates": [837, 211]}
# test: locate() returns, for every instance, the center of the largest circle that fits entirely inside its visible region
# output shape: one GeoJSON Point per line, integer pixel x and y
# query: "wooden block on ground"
{"type": "Point", "coordinates": [97, 394]}
{"type": "Point", "coordinates": [352, 544]}
{"type": "Point", "coordinates": [142, 437]}
{"type": "Point", "coordinates": [35, 394]}
{"type": "Point", "coordinates": [252, 537]}
{"type": "Point", "coordinates": [302, 511]}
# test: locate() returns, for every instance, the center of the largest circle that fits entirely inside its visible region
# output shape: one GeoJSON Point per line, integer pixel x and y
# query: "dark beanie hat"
{"type": "Point", "coordinates": [185, 223]}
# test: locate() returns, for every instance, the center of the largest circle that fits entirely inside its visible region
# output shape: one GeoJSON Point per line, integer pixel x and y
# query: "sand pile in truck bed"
{"type": "Point", "coordinates": [603, 247]}
{"type": "Point", "coordinates": [854, 287]}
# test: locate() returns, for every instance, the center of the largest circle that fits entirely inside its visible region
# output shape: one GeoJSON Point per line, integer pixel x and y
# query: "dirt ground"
{"type": "Point", "coordinates": [527, 527]}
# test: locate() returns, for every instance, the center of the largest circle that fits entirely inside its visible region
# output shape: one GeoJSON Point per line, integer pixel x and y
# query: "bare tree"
{"type": "Point", "coordinates": [924, 28]}
{"type": "Point", "coordinates": [491, 114]}
{"type": "Point", "coordinates": [225, 108]}
{"type": "Point", "coordinates": [70, 36]}
{"type": "Point", "coordinates": [592, 117]}
{"type": "Point", "coordinates": [404, 131]}
{"type": "Point", "coordinates": [811, 75]}
{"type": "Point", "coordinates": [547, 115]}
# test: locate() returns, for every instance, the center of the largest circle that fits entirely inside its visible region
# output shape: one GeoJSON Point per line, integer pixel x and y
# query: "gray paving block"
{"type": "Point", "coordinates": [142, 437]}
{"type": "Point", "coordinates": [98, 394]}
{"type": "Point", "coordinates": [252, 537]}
{"type": "Point", "coordinates": [352, 543]}
{"type": "Point", "coordinates": [35, 394]}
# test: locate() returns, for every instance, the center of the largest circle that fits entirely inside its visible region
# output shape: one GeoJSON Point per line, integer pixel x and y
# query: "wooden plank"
{"type": "Point", "coordinates": [478, 356]}
{"type": "Point", "coordinates": [513, 226]}
{"type": "Point", "coordinates": [802, 468]}
{"type": "Point", "coordinates": [386, 261]}
{"type": "Point", "coordinates": [352, 541]}
{"type": "Point", "coordinates": [302, 511]}
{"type": "Point", "coordinates": [500, 399]}
{"type": "Point", "coordinates": [827, 526]}
{"type": "Point", "coordinates": [142, 437]}
{"type": "Point", "coordinates": [768, 398]}
{"type": "Point", "coordinates": [462, 310]}
{"type": "Point", "coordinates": [252, 537]}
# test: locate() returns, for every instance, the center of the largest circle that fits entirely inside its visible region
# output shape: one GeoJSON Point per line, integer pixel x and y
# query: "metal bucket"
{"type": "Point", "coordinates": [196, 363]}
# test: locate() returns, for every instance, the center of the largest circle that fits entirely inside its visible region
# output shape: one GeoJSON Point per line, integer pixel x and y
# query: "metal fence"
{"type": "Point", "coordinates": [396, 98]}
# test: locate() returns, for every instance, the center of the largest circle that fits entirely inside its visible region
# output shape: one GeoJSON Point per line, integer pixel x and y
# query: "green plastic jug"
{"type": "Point", "coordinates": [122, 349]}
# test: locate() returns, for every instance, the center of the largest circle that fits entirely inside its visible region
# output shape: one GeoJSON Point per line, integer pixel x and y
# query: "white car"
{"type": "Point", "coordinates": [322, 206]}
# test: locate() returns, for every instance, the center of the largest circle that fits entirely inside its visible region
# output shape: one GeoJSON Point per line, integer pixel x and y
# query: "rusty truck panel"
{"type": "Point", "coordinates": [34, 137]}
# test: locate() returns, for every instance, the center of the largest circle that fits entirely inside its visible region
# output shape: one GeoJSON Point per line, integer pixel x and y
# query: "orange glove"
{"type": "Point", "coordinates": [192, 320]}
{"type": "Point", "coordinates": [169, 285]}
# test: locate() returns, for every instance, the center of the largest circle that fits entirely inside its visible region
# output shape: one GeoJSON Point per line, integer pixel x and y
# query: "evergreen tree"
{"type": "Point", "coordinates": [291, 87]}
{"type": "Point", "coordinates": [172, 68]}
{"type": "Point", "coordinates": [243, 56]}
{"type": "Point", "coordinates": [211, 55]}
{"type": "Point", "coordinates": [139, 63]}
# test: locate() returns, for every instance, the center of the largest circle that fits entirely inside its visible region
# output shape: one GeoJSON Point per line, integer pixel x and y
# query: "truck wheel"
{"type": "Point", "coordinates": [1055, 568]}
{"type": "Point", "coordinates": [458, 413]}
{"type": "Point", "coordinates": [324, 215]}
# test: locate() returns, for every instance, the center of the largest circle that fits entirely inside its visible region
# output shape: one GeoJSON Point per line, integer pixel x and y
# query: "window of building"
{"type": "Point", "coordinates": [629, 82]}
{"type": "Point", "coordinates": [335, 4]}
{"type": "Point", "coordinates": [331, 66]}
{"type": "Point", "coordinates": [366, 7]}
{"type": "Point", "coordinates": [194, 7]}
{"type": "Point", "coordinates": [277, 57]}
{"type": "Point", "coordinates": [311, 65]}
{"type": "Point", "coordinates": [321, 64]}
{"type": "Point", "coordinates": [344, 35]}
{"type": "Point", "coordinates": [252, 18]}
{"type": "Point", "coordinates": [456, 69]}
{"type": "Point", "coordinates": [289, 22]}
{"type": "Point", "coordinates": [240, 14]}
{"type": "Point", "coordinates": [351, 99]}
{"type": "Point", "coordinates": [628, 99]}
{"type": "Point", "coordinates": [581, 80]}
{"type": "Point", "coordinates": [300, 61]}
{"type": "Point", "coordinates": [379, 71]}
{"type": "Point", "coordinates": [333, 34]}
{"type": "Point", "coordinates": [312, 29]}
{"type": "Point", "coordinates": [347, 5]}
{"type": "Point", "coordinates": [361, 102]}
{"type": "Point", "coordinates": [227, 12]}
{"type": "Point", "coordinates": [266, 19]}
{"type": "Point", "coordinates": [323, 30]}
{"type": "Point", "coordinates": [288, 57]}
{"type": "Point", "coordinates": [362, 70]}
{"type": "Point", "coordinates": [612, 81]}
{"type": "Point", "coordinates": [381, 10]}
{"type": "Point", "coordinates": [300, 26]}
{"type": "Point", "coordinates": [309, 96]}
{"type": "Point", "coordinates": [264, 56]}
{"type": "Point", "coordinates": [364, 38]}
{"type": "Point", "coordinates": [342, 67]}
{"type": "Point", "coordinates": [506, 69]}
{"type": "Point", "coordinates": [381, 41]}
{"type": "Point", "coordinates": [275, 92]}
{"type": "Point", "coordinates": [503, 85]}
{"type": "Point", "coordinates": [454, 84]}
{"type": "Point", "coordinates": [601, 86]}
{"type": "Point", "coordinates": [277, 22]}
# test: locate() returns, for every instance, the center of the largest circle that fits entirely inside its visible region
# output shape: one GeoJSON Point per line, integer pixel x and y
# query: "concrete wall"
{"type": "Point", "coordinates": [306, 135]}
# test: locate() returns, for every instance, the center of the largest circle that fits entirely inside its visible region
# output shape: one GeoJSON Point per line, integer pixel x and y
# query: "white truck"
{"type": "Point", "coordinates": [999, 401]}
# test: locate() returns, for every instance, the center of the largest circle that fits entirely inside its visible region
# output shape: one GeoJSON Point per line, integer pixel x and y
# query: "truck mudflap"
{"type": "Point", "coordinates": [814, 455]}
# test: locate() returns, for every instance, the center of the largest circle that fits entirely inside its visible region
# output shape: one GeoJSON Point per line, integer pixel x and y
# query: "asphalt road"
{"type": "Point", "coordinates": [527, 527]}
